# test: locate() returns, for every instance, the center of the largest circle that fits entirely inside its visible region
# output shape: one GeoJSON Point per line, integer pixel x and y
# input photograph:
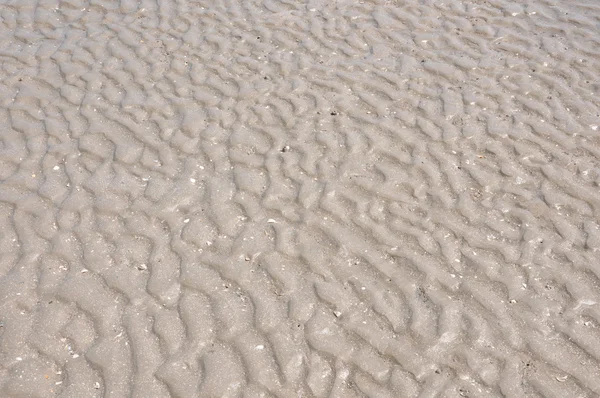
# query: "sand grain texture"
{"type": "Point", "coordinates": [299, 199]}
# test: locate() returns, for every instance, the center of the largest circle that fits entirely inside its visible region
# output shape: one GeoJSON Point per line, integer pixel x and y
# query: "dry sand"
{"type": "Point", "coordinates": [284, 198]}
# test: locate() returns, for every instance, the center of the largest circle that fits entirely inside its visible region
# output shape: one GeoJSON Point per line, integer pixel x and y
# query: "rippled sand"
{"type": "Point", "coordinates": [282, 198]}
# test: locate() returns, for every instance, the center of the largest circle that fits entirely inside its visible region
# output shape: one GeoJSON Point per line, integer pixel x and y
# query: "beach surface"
{"type": "Point", "coordinates": [281, 198]}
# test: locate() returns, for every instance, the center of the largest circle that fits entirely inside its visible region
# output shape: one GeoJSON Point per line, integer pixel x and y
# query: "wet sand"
{"type": "Point", "coordinates": [300, 199]}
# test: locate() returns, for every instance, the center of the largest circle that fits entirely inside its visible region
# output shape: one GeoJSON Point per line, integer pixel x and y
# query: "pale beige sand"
{"type": "Point", "coordinates": [283, 198]}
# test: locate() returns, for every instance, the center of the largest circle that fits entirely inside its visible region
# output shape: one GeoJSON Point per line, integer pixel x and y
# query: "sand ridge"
{"type": "Point", "coordinates": [299, 199]}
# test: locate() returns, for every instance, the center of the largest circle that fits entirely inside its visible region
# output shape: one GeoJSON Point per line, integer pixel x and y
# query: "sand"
{"type": "Point", "coordinates": [279, 198]}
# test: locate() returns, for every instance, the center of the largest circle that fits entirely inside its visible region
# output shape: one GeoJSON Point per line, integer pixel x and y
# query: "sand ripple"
{"type": "Point", "coordinates": [299, 199]}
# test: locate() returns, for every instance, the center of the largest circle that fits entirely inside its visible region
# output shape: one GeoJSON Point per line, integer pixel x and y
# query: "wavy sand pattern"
{"type": "Point", "coordinates": [281, 198]}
